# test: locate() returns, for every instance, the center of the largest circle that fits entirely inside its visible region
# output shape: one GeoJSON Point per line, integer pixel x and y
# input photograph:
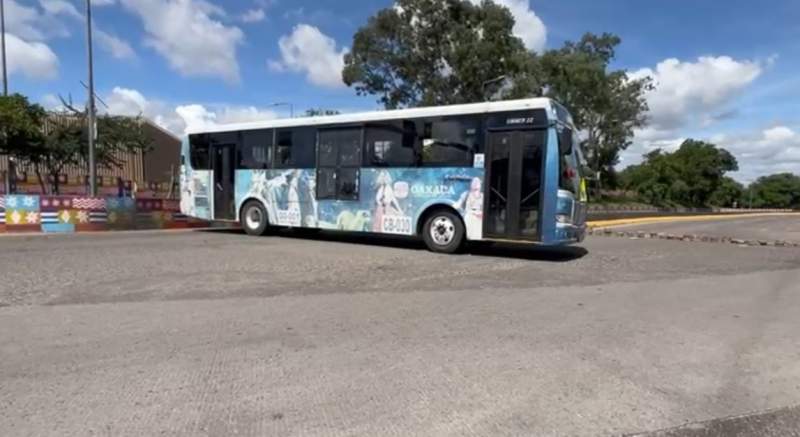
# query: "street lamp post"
{"type": "Point", "coordinates": [90, 109]}
{"type": "Point", "coordinates": [291, 107]}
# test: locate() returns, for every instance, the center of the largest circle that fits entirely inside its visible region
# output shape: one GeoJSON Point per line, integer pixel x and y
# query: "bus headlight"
{"type": "Point", "coordinates": [564, 219]}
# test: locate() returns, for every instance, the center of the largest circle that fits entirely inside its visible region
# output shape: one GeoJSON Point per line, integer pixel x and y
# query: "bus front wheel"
{"type": "Point", "coordinates": [254, 218]}
{"type": "Point", "coordinates": [443, 232]}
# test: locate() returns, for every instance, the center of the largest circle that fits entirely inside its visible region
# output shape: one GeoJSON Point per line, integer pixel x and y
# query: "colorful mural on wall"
{"type": "Point", "coordinates": [390, 201]}
{"type": "Point", "coordinates": [64, 214]}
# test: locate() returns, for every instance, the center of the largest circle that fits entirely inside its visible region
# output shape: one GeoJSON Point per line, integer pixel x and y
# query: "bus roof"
{"type": "Point", "coordinates": [430, 111]}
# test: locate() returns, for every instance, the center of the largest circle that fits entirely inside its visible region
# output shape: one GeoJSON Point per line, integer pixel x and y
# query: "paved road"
{"type": "Point", "coordinates": [786, 228]}
{"type": "Point", "coordinates": [220, 334]}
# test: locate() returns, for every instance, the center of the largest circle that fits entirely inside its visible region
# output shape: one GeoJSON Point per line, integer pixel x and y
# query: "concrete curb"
{"type": "Point", "coordinates": [641, 235]}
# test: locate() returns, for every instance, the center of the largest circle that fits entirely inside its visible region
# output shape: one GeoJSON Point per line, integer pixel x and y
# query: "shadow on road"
{"type": "Point", "coordinates": [499, 250]}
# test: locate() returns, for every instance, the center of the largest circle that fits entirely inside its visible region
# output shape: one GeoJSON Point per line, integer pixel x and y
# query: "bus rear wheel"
{"type": "Point", "coordinates": [443, 232]}
{"type": "Point", "coordinates": [254, 218]}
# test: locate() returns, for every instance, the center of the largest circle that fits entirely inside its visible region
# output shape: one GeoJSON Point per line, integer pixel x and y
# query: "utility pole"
{"type": "Point", "coordinates": [3, 44]}
{"type": "Point", "coordinates": [90, 109]}
{"type": "Point", "coordinates": [10, 167]}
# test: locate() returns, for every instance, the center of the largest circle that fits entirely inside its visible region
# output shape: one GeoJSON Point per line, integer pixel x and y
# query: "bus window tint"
{"type": "Point", "coordinates": [390, 144]}
{"type": "Point", "coordinates": [350, 147]}
{"type": "Point", "coordinates": [450, 142]}
{"type": "Point", "coordinates": [199, 156]}
{"type": "Point", "coordinates": [296, 148]}
{"type": "Point", "coordinates": [255, 150]}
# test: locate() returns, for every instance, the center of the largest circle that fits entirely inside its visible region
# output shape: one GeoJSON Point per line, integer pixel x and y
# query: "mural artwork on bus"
{"type": "Point", "coordinates": [389, 201]}
{"type": "Point", "coordinates": [195, 193]}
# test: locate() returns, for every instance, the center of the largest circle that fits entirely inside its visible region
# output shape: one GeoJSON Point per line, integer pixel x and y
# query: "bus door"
{"type": "Point", "coordinates": [514, 173]}
{"type": "Point", "coordinates": [223, 165]}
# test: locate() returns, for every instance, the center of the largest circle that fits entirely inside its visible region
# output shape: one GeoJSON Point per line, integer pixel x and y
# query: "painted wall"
{"type": "Point", "coordinates": [34, 213]}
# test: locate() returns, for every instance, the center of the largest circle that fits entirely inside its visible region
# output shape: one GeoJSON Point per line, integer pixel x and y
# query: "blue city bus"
{"type": "Point", "coordinates": [498, 171]}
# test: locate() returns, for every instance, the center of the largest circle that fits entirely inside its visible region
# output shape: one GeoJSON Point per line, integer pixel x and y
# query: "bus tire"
{"type": "Point", "coordinates": [254, 219]}
{"type": "Point", "coordinates": [443, 232]}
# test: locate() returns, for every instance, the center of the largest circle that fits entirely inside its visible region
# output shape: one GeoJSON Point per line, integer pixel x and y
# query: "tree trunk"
{"type": "Point", "coordinates": [42, 185]}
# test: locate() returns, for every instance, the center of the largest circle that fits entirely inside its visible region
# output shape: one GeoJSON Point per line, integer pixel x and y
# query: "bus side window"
{"type": "Point", "coordinates": [283, 149]}
{"type": "Point", "coordinates": [199, 156]}
{"type": "Point", "coordinates": [390, 144]}
{"type": "Point", "coordinates": [339, 163]}
{"type": "Point", "coordinates": [450, 142]}
{"type": "Point", "coordinates": [296, 148]}
{"type": "Point", "coordinates": [255, 151]}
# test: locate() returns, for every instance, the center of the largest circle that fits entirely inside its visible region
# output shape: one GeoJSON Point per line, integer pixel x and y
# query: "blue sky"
{"type": "Point", "coordinates": [726, 71]}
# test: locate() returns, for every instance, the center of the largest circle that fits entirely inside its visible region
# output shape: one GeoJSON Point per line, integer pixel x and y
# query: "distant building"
{"type": "Point", "coordinates": [149, 174]}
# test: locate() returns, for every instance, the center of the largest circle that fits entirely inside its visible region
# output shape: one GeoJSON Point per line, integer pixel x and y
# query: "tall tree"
{"type": "Point", "coordinates": [694, 175]}
{"type": "Point", "coordinates": [606, 105]}
{"type": "Point", "coordinates": [49, 142]}
{"type": "Point", "coordinates": [21, 123]}
{"type": "Point", "coordinates": [776, 191]}
{"type": "Point", "coordinates": [434, 52]}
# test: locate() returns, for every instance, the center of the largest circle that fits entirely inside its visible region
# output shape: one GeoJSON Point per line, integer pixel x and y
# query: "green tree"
{"type": "Point", "coordinates": [436, 52]}
{"type": "Point", "coordinates": [694, 175]}
{"type": "Point", "coordinates": [21, 123]}
{"type": "Point", "coordinates": [776, 191]}
{"type": "Point", "coordinates": [729, 193]}
{"type": "Point", "coordinates": [607, 105]}
{"type": "Point", "coordinates": [49, 142]}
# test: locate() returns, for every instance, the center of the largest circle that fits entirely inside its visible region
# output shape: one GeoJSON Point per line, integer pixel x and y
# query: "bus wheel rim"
{"type": "Point", "coordinates": [442, 231]}
{"type": "Point", "coordinates": [253, 218]}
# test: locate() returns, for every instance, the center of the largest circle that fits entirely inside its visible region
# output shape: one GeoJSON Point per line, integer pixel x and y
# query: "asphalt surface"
{"type": "Point", "coordinates": [216, 333]}
{"type": "Point", "coordinates": [765, 228]}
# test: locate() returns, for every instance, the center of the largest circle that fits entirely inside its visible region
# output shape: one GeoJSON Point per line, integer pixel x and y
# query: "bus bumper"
{"type": "Point", "coordinates": [569, 234]}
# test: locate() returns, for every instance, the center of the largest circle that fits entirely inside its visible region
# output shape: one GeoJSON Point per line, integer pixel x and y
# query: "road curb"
{"type": "Point", "coordinates": [641, 235]}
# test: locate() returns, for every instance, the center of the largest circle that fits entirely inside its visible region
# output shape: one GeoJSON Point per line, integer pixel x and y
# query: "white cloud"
{"type": "Point", "coordinates": [528, 27]}
{"type": "Point", "coordinates": [118, 48]}
{"type": "Point", "coordinates": [759, 153]}
{"type": "Point", "coordinates": [688, 91]}
{"type": "Point", "coordinates": [51, 102]}
{"type": "Point", "coordinates": [181, 118]}
{"type": "Point", "coordinates": [772, 150]}
{"type": "Point", "coordinates": [60, 7]}
{"type": "Point", "coordinates": [689, 96]}
{"type": "Point", "coordinates": [253, 15]}
{"type": "Point", "coordinates": [31, 24]}
{"type": "Point", "coordinates": [103, 2]}
{"type": "Point", "coordinates": [310, 51]}
{"type": "Point", "coordinates": [189, 36]}
{"type": "Point", "coordinates": [31, 59]}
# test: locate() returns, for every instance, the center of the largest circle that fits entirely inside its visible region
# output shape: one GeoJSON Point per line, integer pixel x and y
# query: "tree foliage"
{"type": "Point", "coordinates": [20, 124]}
{"type": "Point", "coordinates": [606, 105]}
{"type": "Point", "coordinates": [49, 142]}
{"type": "Point", "coordinates": [437, 52]}
{"type": "Point", "coordinates": [776, 191]}
{"type": "Point", "coordinates": [694, 175]}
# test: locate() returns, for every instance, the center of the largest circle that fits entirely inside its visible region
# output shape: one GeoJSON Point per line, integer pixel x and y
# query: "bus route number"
{"type": "Point", "coordinates": [396, 225]}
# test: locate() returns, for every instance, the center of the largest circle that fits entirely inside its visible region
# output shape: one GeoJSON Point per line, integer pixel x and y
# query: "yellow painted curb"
{"type": "Point", "coordinates": [671, 219]}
